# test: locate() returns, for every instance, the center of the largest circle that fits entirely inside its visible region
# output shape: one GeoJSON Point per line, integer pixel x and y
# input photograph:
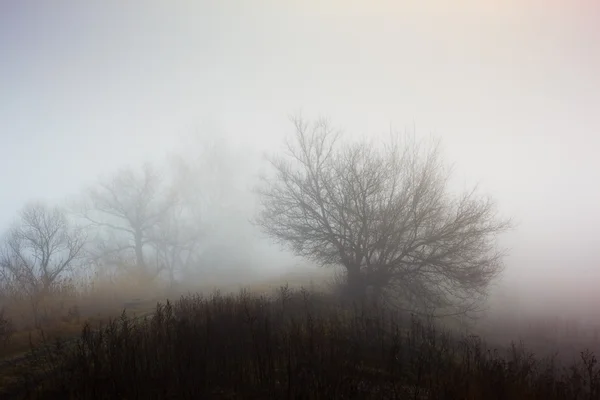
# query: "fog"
{"type": "Point", "coordinates": [511, 88]}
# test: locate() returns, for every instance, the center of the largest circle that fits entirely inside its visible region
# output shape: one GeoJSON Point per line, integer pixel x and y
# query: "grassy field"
{"type": "Point", "coordinates": [96, 309]}
{"type": "Point", "coordinates": [294, 345]}
{"type": "Point", "coordinates": [270, 341]}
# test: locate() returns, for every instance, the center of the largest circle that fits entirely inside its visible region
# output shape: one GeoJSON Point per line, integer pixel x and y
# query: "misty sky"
{"type": "Point", "coordinates": [512, 88]}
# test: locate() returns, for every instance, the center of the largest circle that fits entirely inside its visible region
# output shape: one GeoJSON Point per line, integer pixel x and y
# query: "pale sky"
{"type": "Point", "coordinates": [511, 87]}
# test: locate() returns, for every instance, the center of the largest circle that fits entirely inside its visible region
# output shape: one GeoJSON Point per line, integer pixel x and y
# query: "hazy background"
{"type": "Point", "coordinates": [512, 88]}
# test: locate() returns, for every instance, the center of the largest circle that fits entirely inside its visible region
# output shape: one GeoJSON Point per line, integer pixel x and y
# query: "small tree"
{"type": "Point", "coordinates": [385, 214]}
{"type": "Point", "coordinates": [40, 249]}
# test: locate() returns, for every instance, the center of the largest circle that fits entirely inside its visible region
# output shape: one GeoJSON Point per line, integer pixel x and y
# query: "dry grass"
{"type": "Point", "coordinates": [295, 345]}
{"type": "Point", "coordinates": [72, 305]}
{"type": "Point", "coordinates": [253, 344]}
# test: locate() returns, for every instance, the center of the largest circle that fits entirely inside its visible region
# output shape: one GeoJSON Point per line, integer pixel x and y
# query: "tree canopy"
{"type": "Point", "coordinates": [384, 212]}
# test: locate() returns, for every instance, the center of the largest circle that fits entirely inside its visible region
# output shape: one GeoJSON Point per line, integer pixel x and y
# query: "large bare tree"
{"type": "Point", "coordinates": [39, 249]}
{"type": "Point", "coordinates": [385, 213]}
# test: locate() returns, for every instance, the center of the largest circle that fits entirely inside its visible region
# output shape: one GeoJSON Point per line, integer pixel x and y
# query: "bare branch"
{"type": "Point", "coordinates": [131, 204]}
{"type": "Point", "coordinates": [384, 212]}
{"type": "Point", "coordinates": [40, 248]}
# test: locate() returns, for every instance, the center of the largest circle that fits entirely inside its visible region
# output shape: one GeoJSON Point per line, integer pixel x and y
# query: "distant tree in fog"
{"type": "Point", "coordinates": [383, 211]}
{"type": "Point", "coordinates": [40, 249]}
{"type": "Point", "coordinates": [175, 240]}
{"type": "Point", "coordinates": [204, 176]}
{"type": "Point", "coordinates": [126, 211]}
{"type": "Point", "coordinates": [208, 175]}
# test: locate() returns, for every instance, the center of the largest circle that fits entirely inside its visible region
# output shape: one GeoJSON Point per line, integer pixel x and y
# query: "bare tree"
{"type": "Point", "coordinates": [125, 210]}
{"type": "Point", "coordinates": [384, 213]}
{"type": "Point", "coordinates": [204, 228]}
{"type": "Point", "coordinates": [39, 249]}
{"type": "Point", "coordinates": [176, 240]}
{"type": "Point", "coordinates": [204, 178]}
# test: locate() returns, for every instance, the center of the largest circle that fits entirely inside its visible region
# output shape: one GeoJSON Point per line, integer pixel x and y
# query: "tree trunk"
{"type": "Point", "coordinates": [139, 251]}
{"type": "Point", "coordinates": [46, 283]}
{"type": "Point", "coordinates": [378, 280]}
{"type": "Point", "coordinates": [355, 288]}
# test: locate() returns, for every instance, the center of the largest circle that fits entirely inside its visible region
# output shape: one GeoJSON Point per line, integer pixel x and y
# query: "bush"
{"type": "Point", "coordinates": [6, 328]}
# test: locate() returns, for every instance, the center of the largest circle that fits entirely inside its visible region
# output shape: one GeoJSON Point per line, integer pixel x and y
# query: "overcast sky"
{"type": "Point", "coordinates": [511, 87]}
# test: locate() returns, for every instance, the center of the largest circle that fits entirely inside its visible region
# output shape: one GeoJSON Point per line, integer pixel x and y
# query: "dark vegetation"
{"type": "Point", "coordinates": [297, 345]}
{"type": "Point", "coordinates": [413, 253]}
